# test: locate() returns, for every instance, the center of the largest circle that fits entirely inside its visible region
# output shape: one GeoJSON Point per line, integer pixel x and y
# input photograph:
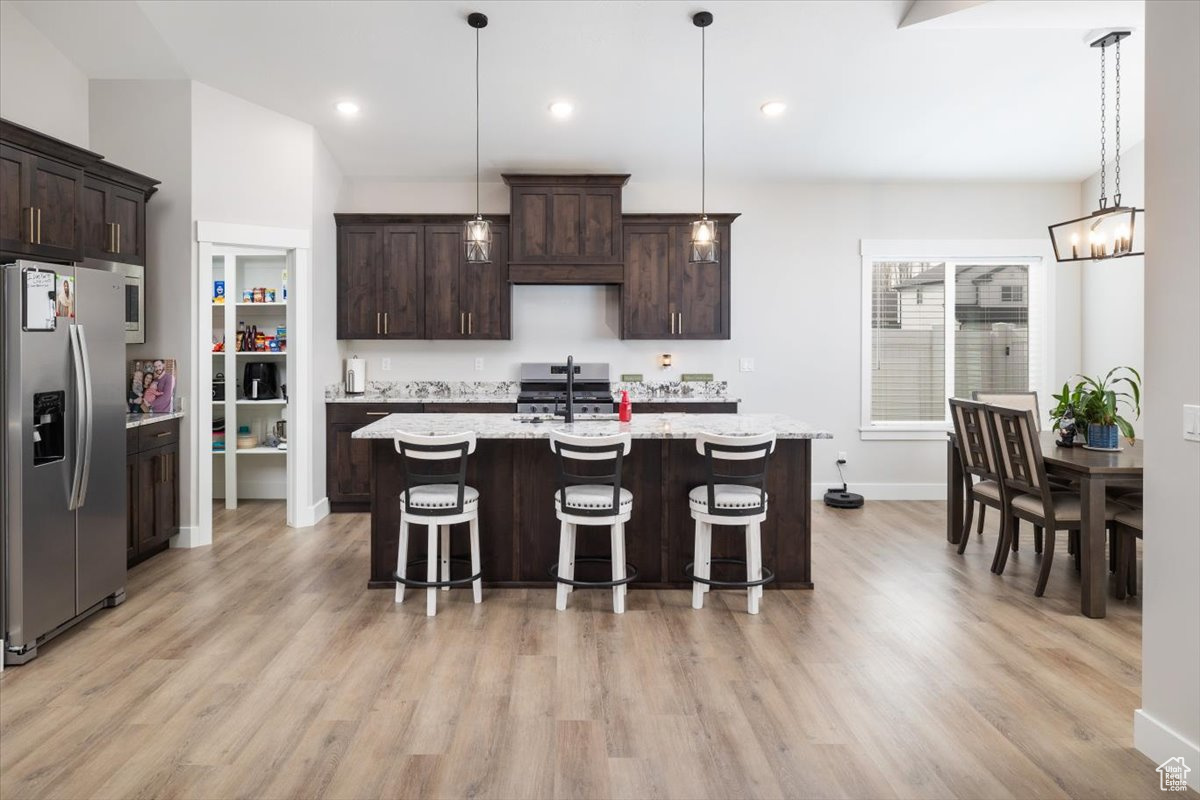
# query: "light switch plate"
{"type": "Point", "coordinates": [479, 365]}
{"type": "Point", "coordinates": [1191, 423]}
{"type": "Point", "coordinates": [385, 364]}
{"type": "Point", "coordinates": [746, 364]}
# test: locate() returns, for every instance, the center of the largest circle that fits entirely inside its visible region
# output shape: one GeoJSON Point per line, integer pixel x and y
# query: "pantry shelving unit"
{"type": "Point", "coordinates": [261, 471]}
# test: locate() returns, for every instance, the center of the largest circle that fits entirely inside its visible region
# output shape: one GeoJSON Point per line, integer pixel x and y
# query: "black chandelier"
{"type": "Point", "coordinates": [703, 248]}
{"type": "Point", "coordinates": [477, 232]}
{"type": "Point", "coordinates": [1109, 231]}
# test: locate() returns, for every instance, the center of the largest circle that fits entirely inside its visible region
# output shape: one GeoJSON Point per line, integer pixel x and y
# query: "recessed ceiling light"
{"type": "Point", "coordinates": [561, 109]}
{"type": "Point", "coordinates": [347, 107]}
{"type": "Point", "coordinates": [774, 108]}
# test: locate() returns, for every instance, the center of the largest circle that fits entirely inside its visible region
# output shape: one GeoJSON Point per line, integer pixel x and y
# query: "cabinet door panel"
{"type": "Point", "coordinates": [351, 476]}
{"type": "Point", "coordinates": [486, 292]}
{"type": "Point", "coordinates": [56, 193]}
{"type": "Point", "coordinates": [166, 496]}
{"type": "Point", "coordinates": [444, 313]}
{"type": "Point", "coordinates": [14, 199]}
{"type": "Point", "coordinates": [601, 215]}
{"type": "Point", "coordinates": [127, 209]}
{"type": "Point", "coordinates": [646, 296]}
{"type": "Point", "coordinates": [402, 284]}
{"type": "Point", "coordinates": [98, 241]}
{"type": "Point", "coordinates": [565, 215]}
{"type": "Point", "coordinates": [701, 290]}
{"type": "Point", "coordinates": [148, 471]}
{"type": "Point", "coordinates": [360, 250]}
{"type": "Point", "coordinates": [532, 209]}
{"type": "Point", "coordinates": [131, 506]}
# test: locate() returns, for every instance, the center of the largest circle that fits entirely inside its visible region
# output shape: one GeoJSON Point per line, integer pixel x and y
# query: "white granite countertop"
{"type": "Point", "coordinates": [138, 420]}
{"type": "Point", "coordinates": [506, 392]}
{"type": "Point", "coordinates": [643, 426]}
{"type": "Point", "coordinates": [376, 397]}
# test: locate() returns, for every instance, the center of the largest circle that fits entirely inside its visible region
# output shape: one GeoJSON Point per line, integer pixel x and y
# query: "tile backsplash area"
{"type": "Point", "coordinates": [506, 391]}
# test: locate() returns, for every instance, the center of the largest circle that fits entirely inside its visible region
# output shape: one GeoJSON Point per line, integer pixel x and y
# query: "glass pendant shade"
{"type": "Point", "coordinates": [477, 235]}
{"type": "Point", "coordinates": [1106, 233]}
{"type": "Point", "coordinates": [704, 242]}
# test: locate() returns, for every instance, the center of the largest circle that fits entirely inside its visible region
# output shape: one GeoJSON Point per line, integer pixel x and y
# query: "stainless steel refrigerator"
{"type": "Point", "coordinates": [64, 499]}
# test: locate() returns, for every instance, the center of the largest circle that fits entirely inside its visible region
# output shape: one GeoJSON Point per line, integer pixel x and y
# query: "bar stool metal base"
{"type": "Point", "coordinates": [631, 574]}
{"type": "Point", "coordinates": [413, 583]}
{"type": "Point", "coordinates": [690, 573]}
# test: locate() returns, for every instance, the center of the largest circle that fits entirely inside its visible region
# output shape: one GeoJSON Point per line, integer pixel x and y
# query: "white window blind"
{"type": "Point", "coordinates": [947, 328]}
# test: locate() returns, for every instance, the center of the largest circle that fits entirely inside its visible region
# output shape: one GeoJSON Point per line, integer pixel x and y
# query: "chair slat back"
{"type": "Point", "coordinates": [974, 438]}
{"type": "Point", "coordinates": [415, 449]}
{"type": "Point", "coordinates": [1019, 400]}
{"type": "Point", "coordinates": [1020, 451]}
{"type": "Point", "coordinates": [755, 448]}
{"type": "Point", "coordinates": [570, 447]}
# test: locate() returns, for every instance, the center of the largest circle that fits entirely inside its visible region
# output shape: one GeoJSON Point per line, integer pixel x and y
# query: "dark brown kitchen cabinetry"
{"type": "Point", "coordinates": [664, 295]}
{"type": "Point", "coordinates": [381, 282]}
{"type": "Point", "coordinates": [152, 472]}
{"type": "Point", "coordinates": [61, 203]}
{"type": "Point", "coordinates": [465, 300]}
{"type": "Point", "coordinates": [566, 228]}
{"type": "Point", "coordinates": [114, 213]}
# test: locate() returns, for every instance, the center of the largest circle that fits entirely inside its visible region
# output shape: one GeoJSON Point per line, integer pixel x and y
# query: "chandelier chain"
{"type": "Point", "coordinates": [1103, 141]}
{"type": "Point", "coordinates": [1117, 129]}
{"type": "Point", "coordinates": [703, 109]}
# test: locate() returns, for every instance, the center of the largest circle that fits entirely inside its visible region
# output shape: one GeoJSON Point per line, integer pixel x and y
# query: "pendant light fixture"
{"type": "Point", "coordinates": [704, 230]}
{"type": "Point", "coordinates": [477, 232]}
{"type": "Point", "coordinates": [1109, 231]}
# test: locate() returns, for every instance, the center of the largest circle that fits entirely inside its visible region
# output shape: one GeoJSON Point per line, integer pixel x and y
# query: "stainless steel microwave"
{"type": "Point", "coordinates": [134, 299]}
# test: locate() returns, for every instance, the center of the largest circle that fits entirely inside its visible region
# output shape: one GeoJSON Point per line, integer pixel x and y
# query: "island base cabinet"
{"type": "Point", "coordinates": [519, 531]}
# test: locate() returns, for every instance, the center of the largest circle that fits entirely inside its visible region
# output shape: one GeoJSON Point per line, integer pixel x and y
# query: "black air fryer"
{"type": "Point", "coordinates": [260, 381]}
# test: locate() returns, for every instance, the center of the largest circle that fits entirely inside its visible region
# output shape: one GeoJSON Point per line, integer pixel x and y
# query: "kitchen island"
{"type": "Point", "coordinates": [513, 469]}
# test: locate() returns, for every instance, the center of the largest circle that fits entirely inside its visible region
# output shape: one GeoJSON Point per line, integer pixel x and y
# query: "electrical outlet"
{"type": "Point", "coordinates": [841, 455]}
{"type": "Point", "coordinates": [385, 364]}
{"type": "Point", "coordinates": [479, 365]}
{"type": "Point", "coordinates": [1191, 423]}
{"type": "Point", "coordinates": [746, 364]}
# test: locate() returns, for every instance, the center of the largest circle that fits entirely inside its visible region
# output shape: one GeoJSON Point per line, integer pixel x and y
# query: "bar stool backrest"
{"type": "Point", "coordinates": [1019, 400]}
{"type": "Point", "coordinates": [973, 429]}
{"type": "Point", "coordinates": [1015, 438]}
{"type": "Point", "coordinates": [569, 447]}
{"type": "Point", "coordinates": [722, 447]}
{"type": "Point", "coordinates": [415, 448]}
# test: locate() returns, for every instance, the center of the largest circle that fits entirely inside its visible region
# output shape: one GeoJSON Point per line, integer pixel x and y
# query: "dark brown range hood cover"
{"type": "Point", "coordinates": [566, 229]}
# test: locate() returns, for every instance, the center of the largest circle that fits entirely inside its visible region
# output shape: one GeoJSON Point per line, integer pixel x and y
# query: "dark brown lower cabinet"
{"type": "Point", "coordinates": [152, 473]}
{"type": "Point", "coordinates": [347, 460]}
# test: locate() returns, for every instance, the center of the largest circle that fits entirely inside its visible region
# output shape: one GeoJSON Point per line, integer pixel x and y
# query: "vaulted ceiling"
{"type": "Point", "coordinates": [998, 90]}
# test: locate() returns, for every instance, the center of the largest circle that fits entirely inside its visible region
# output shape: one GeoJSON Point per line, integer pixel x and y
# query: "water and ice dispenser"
{"type": "Point", "coordinates": [49, 427]}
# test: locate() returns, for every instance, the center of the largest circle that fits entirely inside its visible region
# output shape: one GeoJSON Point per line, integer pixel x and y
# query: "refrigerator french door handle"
{"type": "Point", "coordinates": [87, 389]}
{"type": "Point", "coordinates": [80, 417]}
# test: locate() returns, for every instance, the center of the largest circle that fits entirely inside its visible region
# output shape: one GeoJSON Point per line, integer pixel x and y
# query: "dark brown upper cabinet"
{"type": "Point", "coordinates": [62, 203]}
{"type": "Point", "coordinates": [406, 277]}
{"type": "Point", "coordinates": [664, 295]}
{"type": "Point", "coordinates": [464, 300]}
{"type": "Point", "coordinates": [381, 282]}
{"type": "Point", "coordinates": [566, 228]}
{"type": "Point", "coordinates": [114, 213]}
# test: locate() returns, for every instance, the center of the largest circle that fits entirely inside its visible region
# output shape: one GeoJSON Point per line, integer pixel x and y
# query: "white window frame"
{"type": "Point", "coordinates": [1036, 253]}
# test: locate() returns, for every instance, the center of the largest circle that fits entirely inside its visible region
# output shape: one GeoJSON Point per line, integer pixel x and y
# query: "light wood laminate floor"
{"type": "Point", "coordinates": [263, 667]}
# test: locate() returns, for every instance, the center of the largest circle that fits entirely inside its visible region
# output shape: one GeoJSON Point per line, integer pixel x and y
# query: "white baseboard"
{"type": "Point", "coordinates": [888, 491]}
{"type": "Point", "coordinates": [191, 537]}
{"type": "Point", "coordinates": [1159, 743]}
{"type": "Point", "coordinates": [307, 517]}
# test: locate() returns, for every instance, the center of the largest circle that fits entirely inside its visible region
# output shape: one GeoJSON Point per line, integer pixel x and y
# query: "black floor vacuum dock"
{"type": "Point", "coordinates": [840, 498]}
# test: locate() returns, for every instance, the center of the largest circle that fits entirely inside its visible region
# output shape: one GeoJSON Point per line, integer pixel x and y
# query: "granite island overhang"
{"type": "Point", "coordinates": [513, 469]}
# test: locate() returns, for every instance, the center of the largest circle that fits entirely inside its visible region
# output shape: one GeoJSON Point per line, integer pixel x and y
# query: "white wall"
{"type": "Point", "coordinates": [1168, 724]}
{"type": "Point", "coordinates": [327, 191]}
{"type": "Point", "coordinates": [1112, 292]}
{"type": "Point", "coordinates": [40, 87]}
{"type": "Point", "coordinates": [796, 301]}
{"type": "Point", "coordinates": [159, 145]}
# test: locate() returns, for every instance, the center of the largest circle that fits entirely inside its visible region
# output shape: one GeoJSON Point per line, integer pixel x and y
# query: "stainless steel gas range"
{"type": "Point", "coordinates": [544, 389]}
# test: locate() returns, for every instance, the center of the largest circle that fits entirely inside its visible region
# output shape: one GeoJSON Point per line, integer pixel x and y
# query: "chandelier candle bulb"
{"type": "Point", "coordinates": [1074, 245]}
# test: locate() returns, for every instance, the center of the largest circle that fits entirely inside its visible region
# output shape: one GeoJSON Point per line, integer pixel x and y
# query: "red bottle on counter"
{"type": "Point", "coordinates": [625, 413]}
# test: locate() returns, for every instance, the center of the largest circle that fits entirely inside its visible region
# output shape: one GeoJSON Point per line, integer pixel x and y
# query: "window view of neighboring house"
{"type": "Point", "coordinates": [989, 335]}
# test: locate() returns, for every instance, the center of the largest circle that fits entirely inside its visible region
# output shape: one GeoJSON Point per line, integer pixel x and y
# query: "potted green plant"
{"type": "Point", "coordinates": [1097, 403]}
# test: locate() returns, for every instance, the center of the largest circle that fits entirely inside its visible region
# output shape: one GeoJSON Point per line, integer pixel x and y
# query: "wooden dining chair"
{"type": "Point", "coordinates": [1129, 530]}
{"type": "Point", "coordinates": [1023, 474]}
{"type": "Point", "coordinates": [978, 459]}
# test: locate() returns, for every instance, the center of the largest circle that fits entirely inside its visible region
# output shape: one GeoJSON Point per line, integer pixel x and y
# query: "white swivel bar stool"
{"type": "Point", "coordinates": [438, 501]}
{"type": "Point", "coordinates": [591, 500]}
{"type": "Point", "coordinates": [731, 499]}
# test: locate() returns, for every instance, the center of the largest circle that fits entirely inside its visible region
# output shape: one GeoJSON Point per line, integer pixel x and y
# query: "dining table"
{"type": "Point", "coordinates": [1094, 471]}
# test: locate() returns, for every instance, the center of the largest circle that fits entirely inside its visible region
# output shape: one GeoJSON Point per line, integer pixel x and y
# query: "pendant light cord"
{"type": "Point", "coordinates": [703, 119]}
{"type": "Point", "coordinates": [477, 215]}
{"type": "Point", "coordinates": [1117, 130]}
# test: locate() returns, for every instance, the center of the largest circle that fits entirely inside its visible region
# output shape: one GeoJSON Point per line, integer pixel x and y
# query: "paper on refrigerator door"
{"type": "Point", "coordinates": [39, 312]}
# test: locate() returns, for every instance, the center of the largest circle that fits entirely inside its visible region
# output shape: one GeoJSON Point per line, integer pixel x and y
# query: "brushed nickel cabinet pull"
{"type": "Point", "coordinates": [30, 210]}
{"type": "Point", "coordinates": [672, 323]}
{"type": "Point", "coordinates": [377, 413]}
{"type": "Point", "coordinates": [681, 323]}
{"type": "Point", "coordinates": [118, 237]}
{"type": "Point", "coordinates": [385, 323]}
{"type": "Point", "coordinates": [39, 226]}
{"type": "Point", "coordinates": [462, 323]}
{"type": "Point", "coordinates": [377, 323]}
{"type": "Point", "coordinates": [160, 435]}
{"type": "Point", "coordinates": [470, 326]}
